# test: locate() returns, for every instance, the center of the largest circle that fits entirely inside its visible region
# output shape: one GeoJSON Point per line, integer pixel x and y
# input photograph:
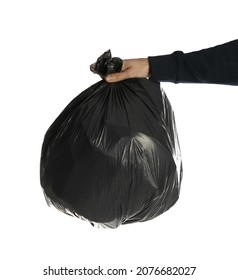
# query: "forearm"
{"type": "Point", "coordinates": [218, 65]}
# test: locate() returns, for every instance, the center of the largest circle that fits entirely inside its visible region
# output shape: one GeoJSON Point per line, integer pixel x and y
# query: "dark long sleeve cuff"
{"type": "Point", "coordinates": [163, 68]}
{"type": "Point", "coordinates": [218, 65]}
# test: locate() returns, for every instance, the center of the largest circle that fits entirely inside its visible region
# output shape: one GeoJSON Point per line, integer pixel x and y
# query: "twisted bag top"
{"type": "Point", "coordinates": [112, 156]}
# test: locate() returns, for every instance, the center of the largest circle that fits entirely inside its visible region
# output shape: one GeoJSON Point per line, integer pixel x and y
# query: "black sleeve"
{"type": "Point", "coordinates": [216, 65]}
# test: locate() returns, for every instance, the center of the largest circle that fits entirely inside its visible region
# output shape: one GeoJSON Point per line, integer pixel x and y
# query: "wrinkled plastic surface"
{"type": "Point", "coordinates": [112, 156]}
{"type": "Point", "coordinates": [106, 64]}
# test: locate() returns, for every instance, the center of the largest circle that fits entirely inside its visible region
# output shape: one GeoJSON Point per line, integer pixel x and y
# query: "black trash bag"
{"type": "Point", "coordinates": [112, 156]}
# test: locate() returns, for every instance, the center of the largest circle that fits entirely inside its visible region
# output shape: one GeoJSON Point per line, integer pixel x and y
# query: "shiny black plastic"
{"type": "Point", "coordinates": [105, 64]}
{"type": "Point", "coordinates": [112, 156]}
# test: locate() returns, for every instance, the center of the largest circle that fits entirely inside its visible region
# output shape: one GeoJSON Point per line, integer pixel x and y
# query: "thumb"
{"type": "Point", "coordinates": [116, 77]}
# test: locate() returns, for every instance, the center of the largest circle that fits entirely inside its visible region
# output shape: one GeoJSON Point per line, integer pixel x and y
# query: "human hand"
{"type": "Point", "coordinates": [131, 68]}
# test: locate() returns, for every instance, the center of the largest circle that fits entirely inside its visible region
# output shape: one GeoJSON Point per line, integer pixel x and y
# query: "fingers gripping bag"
{"type": "Point", "coordinates": [112, 156]}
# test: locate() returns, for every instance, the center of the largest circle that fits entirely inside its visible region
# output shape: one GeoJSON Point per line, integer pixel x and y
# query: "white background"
{"type": "Point", "coordinates": [46, 48]}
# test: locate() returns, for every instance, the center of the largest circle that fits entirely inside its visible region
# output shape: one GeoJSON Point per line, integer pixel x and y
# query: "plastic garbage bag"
{"type": "Point", "coordinates": [112, 156]}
